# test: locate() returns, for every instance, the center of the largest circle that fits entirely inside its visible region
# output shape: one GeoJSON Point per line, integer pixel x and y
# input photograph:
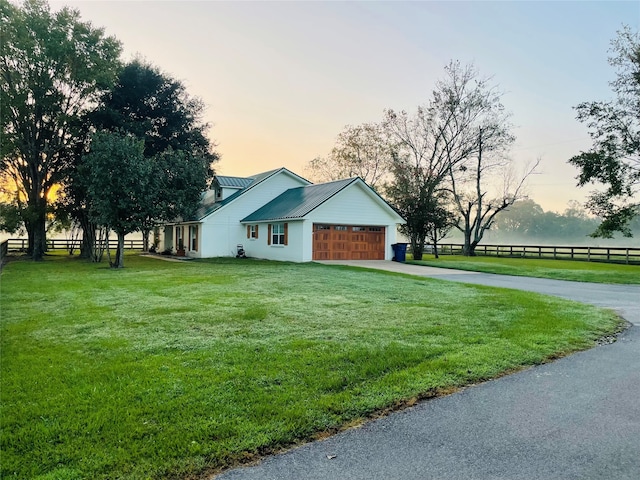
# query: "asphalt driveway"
{"type": "Point", "coordinates": [576, 418]}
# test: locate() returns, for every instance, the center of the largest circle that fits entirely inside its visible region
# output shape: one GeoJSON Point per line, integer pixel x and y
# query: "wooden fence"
{"type": "Point", "coordinates": [21, 244]}
{"type": "Point", "coordinates": [589, 254]}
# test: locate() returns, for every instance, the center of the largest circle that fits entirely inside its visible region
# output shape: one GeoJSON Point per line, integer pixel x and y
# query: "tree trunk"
{"type": "Point", "coordinates": [417, 248]}
{"type": "Point", "coordinates": [145, 239]}
{"type": "Point", "coordinates": [467, 242]}
{"type": "Point", "coordinates": [87, 250]}
{"type": "Point", "coordinates": [470, 249]}
{"type": "Point", "coordinates": [435, 249]}
{"type": "Point", "coordinates": [39, 235]}
{"type": "Point", "coordinates": [119, 261]}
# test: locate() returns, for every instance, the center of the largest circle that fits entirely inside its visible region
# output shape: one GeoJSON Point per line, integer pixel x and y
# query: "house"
{"type": "Point", "coordinates": [279, 215]}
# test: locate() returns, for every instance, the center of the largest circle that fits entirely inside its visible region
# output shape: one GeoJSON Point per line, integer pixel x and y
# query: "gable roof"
{"type": "Point", "coordinates": [208, 207]}
{"type": "Point", "coordinates": [297, 202]}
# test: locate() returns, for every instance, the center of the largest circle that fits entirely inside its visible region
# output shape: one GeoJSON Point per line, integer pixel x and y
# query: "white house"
{"type": "Point", "coordinates": [279, 215]}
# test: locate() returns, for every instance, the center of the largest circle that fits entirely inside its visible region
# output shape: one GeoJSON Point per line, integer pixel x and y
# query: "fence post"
{"type": "Point", "coordinates": [608, 254]}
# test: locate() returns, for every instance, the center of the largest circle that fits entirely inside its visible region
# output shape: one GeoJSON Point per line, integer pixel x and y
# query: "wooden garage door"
{"type": "Point", "coordinates": [348, 242]}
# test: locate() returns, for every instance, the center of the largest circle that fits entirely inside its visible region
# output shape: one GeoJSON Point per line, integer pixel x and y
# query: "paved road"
{"type": "Point", "coordinates": [576, 418]}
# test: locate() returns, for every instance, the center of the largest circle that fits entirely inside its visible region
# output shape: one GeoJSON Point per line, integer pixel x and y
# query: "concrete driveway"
{"type": "Point", "coordinates": [576, 418]}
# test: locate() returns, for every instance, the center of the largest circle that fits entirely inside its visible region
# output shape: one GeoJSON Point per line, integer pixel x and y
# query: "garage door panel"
{"type": "Point", "coordinates": [346, 242]}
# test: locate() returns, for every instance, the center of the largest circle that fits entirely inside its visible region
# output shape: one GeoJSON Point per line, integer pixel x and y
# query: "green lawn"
{"type": "Point", "coordinates": [165, 370]}
{"type": "Point", "coordinates": [556, 269]}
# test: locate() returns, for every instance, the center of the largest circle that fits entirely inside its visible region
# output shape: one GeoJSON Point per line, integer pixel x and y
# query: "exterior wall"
{"type": "Point", "coordinates": [292, 252]}
{"type": "Point", "coordinates": [222, 231]}
{"type": "Point", "coordinates": [352, 206]}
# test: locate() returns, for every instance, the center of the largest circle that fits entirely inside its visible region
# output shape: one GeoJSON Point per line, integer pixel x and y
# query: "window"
{"type": "Point", "coordinates": [359, 229]}
{"type": "Point", "coordinates": [341, 228]}
{"type": "Point", "coordinates": [252, 232]}
{"type": "Point", "coordinates": [375, 229]}
{"type": "Point", "coordinates": [193, 238]}
{"type": "Point", "coordinates": [277, 234]}
{"type": "Point", "coordinates": [322, 227]}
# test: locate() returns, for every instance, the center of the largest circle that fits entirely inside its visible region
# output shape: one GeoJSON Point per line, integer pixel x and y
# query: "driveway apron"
{"type": "Point", "coordinates": [575, 418]}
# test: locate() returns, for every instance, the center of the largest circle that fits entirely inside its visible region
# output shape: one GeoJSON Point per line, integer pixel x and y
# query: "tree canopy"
{"type": "Point", "coordinates": [447, 146]}
{"type": "Point", "coordinates": [54, 67]}
{"type": "Point", "coordinates": [149, 107]}
{"type": "Point", "coordinates": [361, 151]}
{"type": "Point", "coordinates": [614, 126]}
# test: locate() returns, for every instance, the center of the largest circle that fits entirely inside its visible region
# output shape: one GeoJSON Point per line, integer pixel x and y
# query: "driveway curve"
{"type": "Point", "coordinates": [575, 418]}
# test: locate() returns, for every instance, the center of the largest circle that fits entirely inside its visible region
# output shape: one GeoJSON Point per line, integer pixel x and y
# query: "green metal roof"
{"type": "Point", "coordinates": [297, 202]}
{"type": "Point", "coordinates": [233, 182]}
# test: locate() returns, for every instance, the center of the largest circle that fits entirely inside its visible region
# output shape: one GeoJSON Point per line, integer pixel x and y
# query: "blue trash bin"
{"type": "Point", "coordinates": [399, 252]}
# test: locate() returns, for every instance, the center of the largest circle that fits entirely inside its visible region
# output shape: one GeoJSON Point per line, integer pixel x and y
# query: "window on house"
{"type": "Point", "coordinates": [277, 234]}
{"type": "Point", "coordinates": [375, 229]}
{"type": "Point", "coordinates": [359, 229]}
{"type": "Point", "coordinates": [253, 231]}
{"type": "Point", "coordinates": [322, 227]}
{"type": "Point", "coordinates": [193, 237]}
{"type": "Point", "coordinates": [341, 228]}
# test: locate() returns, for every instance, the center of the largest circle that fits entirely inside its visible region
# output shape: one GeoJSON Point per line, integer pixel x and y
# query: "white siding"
{"type": "Point", "coordinates": [222, 230]}
{"type": "Point", "coordinates": [292, 252]}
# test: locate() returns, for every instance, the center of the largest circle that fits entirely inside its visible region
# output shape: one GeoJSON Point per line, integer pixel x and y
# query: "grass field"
{"type": "Point", "coordinates": [555, 269]}
{"type": "Point", "coordinates": [171, 370]}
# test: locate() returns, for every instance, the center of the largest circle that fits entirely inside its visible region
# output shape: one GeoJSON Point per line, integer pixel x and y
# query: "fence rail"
{"type": "Point", "coordinates": [589, 254]}
{"type": "Point", "coordinates": [21, 244]}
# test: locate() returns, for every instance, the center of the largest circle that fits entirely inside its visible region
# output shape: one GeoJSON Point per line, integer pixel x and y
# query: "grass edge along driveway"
{"type": "Point", "coordinates": [573, 270]}
{"type": "Point", "coordinates": [177, 370]}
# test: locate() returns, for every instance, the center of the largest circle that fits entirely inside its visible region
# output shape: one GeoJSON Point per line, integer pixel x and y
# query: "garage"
{"type": "Point", "coordinates": [348, 242]}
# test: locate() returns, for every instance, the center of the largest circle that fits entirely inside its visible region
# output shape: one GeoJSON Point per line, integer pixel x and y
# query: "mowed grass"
{"type": "Point", "coordinates": [575, 270]}
{"type": "Point", "coordinates": [173, 370]}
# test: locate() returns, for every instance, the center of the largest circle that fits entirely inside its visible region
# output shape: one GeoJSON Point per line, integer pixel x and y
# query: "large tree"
{"type": "Point", "coordinates": [53, 68]}
{"type": "Point", "coordinates": [484, 186]}
{"type": "Point", "coordinates": [614, 158]}
{"type": "Point", "coordinates": [361, 151]}
{"type": "Point", "coordinates": [156, 108]}
{"type": "Point", "coordinates": [440, 138]}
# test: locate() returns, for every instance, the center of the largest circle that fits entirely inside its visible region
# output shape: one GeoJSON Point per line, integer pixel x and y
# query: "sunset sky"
{"type": "Point", "coordinates": [282, 79]}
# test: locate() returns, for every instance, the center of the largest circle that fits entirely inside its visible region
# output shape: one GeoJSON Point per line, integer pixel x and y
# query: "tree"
{"type": "Point", "coordinates": [53, 68]}
{"type": "Point", "coordinates": [118, 181]}
{"type": "Point", "coordinates": [361, 151]}
{"type": "Point", "coordinates": [439, 139]}
{"type": "Point", "coordinates": [521, 218]}
{"type": "Point", "coordinates": [153, 111]}
{"type": "Point", "coordinates": [614, 158]}
{"type": "Point", "coordinates": [157, 109]}
{"type": "Point", "coordinates": [413, 199]}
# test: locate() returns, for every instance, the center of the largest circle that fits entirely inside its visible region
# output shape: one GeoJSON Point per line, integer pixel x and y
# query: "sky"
{"type": "Point", "coordinates": [281, 80]}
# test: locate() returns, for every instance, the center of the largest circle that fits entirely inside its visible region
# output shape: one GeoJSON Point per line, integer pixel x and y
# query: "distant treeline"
{"type": "Point", "coordinates": [527, 223]}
